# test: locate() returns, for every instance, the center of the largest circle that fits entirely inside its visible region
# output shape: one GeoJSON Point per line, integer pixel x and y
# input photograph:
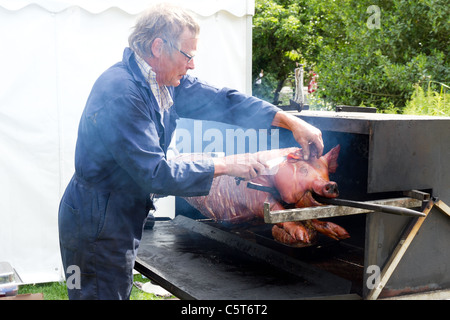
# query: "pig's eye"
{"type": "Point", "coordinates": [318, 166]}
{"type": "Point", "coordinates": [304, 171]}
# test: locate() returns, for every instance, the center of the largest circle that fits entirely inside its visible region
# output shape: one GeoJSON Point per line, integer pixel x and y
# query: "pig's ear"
{"type": "Point", "coordinates": [331, 158]}
{"type": "Point", "coordinates": [297, 155]}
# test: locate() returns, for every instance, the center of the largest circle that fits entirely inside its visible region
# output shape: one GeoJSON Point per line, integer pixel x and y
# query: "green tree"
{"type": "Point", "coordinates": [379, 65]}
{"type": "Point", "coordinates": [372, 57]}
{"type": "Point", "coordinates": [280, 33]}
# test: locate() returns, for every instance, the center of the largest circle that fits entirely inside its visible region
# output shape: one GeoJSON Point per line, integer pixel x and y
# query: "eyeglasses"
{"type": "Point", "coordinates": [188, 56]}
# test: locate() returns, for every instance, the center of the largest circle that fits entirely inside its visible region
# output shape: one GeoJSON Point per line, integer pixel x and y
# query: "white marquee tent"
{"type": "Point", "coordinates": [52, 52]}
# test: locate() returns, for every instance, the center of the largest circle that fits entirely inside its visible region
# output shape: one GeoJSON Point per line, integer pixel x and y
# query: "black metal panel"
{"type": "Point", "coordinates": [196, 261]}
{"type": "Point", "coordinates": [404, 152]}
{"type": "Point", "coordinates": [410, 154]}
{"type": "Point", "coordinates": [389, 154]}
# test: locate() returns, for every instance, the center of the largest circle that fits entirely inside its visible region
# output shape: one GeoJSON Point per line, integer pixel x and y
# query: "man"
{"type": "Point", "coordinates": [123, 136]}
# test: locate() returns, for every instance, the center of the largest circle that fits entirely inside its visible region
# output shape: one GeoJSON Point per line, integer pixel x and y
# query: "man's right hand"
{"type": "Point", "coordinates": [245, 166]}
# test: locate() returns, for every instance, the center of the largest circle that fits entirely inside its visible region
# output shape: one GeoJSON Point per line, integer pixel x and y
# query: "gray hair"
{"type": "Point", "coordinates": [163, 21]}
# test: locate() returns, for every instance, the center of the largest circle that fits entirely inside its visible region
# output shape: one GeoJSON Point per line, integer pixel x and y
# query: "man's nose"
{"type": "Point", "coordinates": [191, 64]}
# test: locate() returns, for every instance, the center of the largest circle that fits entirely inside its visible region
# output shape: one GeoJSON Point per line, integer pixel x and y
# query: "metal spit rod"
{"type": "Point", "coordinates": [328, 211]}
{"type": "Point", "coordinates": [371, 206]}
{"type": "Point", "coordinates": [338, 202]}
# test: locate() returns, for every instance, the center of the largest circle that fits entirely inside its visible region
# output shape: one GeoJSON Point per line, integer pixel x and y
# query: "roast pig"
{"type": "Point", "coordinates": [295, 180]}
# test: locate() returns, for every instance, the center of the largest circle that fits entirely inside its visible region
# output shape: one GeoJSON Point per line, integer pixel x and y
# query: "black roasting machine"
{"type": "Point", "coordinates": [388, 160]}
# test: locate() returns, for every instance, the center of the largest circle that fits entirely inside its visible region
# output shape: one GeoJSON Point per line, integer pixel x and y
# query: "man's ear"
{"type": "Point", "coordinates": [157, 46]}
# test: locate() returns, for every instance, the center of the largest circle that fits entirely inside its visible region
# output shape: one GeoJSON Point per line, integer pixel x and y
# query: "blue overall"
{"type": "Point", "coordinates": [120, 159]}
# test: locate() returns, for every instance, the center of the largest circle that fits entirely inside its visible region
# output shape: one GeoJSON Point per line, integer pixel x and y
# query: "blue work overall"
{"type": "Point", "coordinates": [120, 159]}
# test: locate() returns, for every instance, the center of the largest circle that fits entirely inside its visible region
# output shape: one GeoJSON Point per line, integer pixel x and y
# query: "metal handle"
{"type": "Point", "coordinates": [371, 206]}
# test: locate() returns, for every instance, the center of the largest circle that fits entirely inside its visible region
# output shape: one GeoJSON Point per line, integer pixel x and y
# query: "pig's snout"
{"type": "Point", "coordinates": [331, 189]}
{"type": "Point", "coordinates": [328, 189]}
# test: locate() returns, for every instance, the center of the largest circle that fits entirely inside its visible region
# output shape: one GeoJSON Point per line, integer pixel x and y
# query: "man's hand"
{"type": "Point", "coordinates": [308, 136]}
{"type": "Point", "coordinates": [245, 166]}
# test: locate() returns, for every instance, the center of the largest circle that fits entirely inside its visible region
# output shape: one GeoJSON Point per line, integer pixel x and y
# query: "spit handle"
{"type": "Point", "coordinates": [371, 206]}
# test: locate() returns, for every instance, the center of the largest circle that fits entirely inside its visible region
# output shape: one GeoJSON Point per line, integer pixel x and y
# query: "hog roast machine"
{"type": "Point", "coordinates": [397, 160]}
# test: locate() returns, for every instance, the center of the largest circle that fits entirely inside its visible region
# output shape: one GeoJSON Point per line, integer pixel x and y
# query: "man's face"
{"type": "Point", "coordinates": [171, 69]}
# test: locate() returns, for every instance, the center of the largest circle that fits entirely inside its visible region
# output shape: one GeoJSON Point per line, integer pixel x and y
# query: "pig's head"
{"type": "Point", "coordinates": [297, 180]}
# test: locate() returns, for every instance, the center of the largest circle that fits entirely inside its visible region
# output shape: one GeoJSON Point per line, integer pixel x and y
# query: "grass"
{"type": "Point", "coordinates": [51, 290]}
{"type": "Point", "coordinates": [58, 290]}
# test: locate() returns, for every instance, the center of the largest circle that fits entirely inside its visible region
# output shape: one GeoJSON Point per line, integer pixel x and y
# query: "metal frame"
{"type": "Point", "coordinates": [402, 246]}
{"type": "Point", "coordinates": [406, 238]}
{"type": "Point", "coordinates": [301, 214]}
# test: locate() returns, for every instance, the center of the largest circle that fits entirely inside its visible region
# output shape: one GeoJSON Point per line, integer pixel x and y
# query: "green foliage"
{"type": "Point", "coordinates": [378, 66]}
{"type": "Point", "coordinates": [429, 101]}
{"type": "Point", "coordinates": [359, 62]}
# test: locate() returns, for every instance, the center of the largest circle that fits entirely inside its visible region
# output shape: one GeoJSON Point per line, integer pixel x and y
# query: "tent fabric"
{"type": "Point", "coordinates": [237, 8]}
{"type": "Point", "coordinates": [53, 51]}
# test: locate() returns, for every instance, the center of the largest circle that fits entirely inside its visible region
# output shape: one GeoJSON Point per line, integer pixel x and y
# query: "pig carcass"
{"type": "Point", "coordinates": [295, 181]}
